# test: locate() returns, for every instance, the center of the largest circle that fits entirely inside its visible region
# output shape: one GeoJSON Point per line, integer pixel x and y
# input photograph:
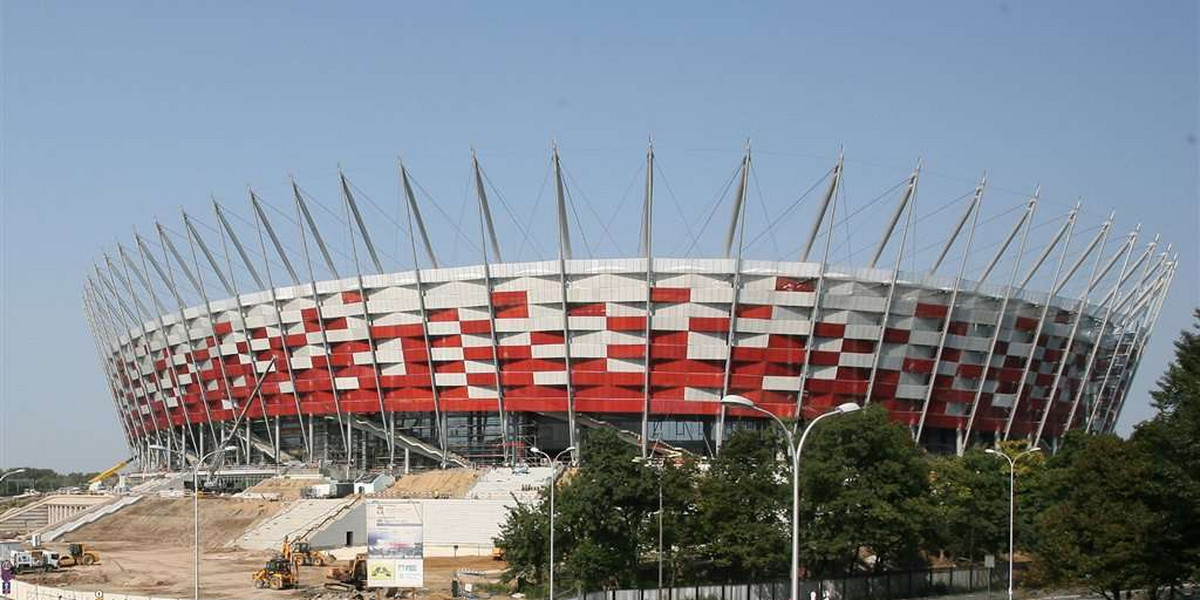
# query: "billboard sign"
{"type": "Point", "coordinates": [395, 544]}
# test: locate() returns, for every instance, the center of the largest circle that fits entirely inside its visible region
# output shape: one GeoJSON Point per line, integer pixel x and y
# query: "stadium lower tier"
{"type": "Point", "coordinates": [365, 367]}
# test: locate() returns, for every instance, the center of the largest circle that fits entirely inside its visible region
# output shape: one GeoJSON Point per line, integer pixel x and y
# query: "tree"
{"type": "Point", "coordinates": [864, 486]}
{"type": "Point", "coordinates": [524, 539]}
{"type": "Point", "coordinates": [969, 503]}
{"type": "Point", "coordinates": [1099, 531]}
{"type": "Point", "coordinates": [1173, 439]}
{"type": "Point", "coordinates": [740, 524]}
{"type": "Point", "coordinates": [601, 512]}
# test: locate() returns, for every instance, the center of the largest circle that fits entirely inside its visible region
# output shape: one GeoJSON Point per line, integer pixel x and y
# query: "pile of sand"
{"type": "Point", "coordinates": [154, 520]}
{"type": "Point", "coordinates": [288, 488]}
{"type": "Point", "coordinates": [448, 483]}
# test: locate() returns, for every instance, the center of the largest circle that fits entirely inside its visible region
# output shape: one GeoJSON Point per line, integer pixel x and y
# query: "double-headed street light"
{"type": "Point", "coordinates": [12, 472]}
{"type": "Point", "coordinates": [660, 464]}
{"type": "Point", "coordinates": [794, 448]}
{"type": "Point", "coordinates": [223, 447]}
{"type": "Point", "coordinates": [553, 466]}
{"type": "Point", "coordinates": [1012, 503]}
{"type": "Point", "coordinates": [196, 508]}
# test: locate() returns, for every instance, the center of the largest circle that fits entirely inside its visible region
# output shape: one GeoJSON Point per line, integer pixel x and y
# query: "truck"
{"type": "Point", "coordinates": [38, 559]}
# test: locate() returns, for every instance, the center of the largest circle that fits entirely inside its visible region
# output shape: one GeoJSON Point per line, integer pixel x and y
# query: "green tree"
{"type": "Point", "coordinates": [1172, 437]}
{"type": "Point", "coordinates": [969, 502]}
{"type": "Point", "coordinates": [864, 486]}
{"type": "Point", "coordinates": [524, 538]}
{"type": "Point", "coordinates": [601, 514]}
{"type": "Point", "coordinates": [1099, 531]}
{"type": "Point", "coordinates": [742, 508]}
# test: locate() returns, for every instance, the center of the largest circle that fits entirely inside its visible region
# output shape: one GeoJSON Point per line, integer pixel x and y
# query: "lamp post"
{"type": "Point", "coordinates": [12, 472]}
{"type": "Point", "coordinates": [222, 447]}
{"type": "Point", "coordinates": [794, 448]}
{"type": "Point", "coordinates": [553, 465]}
{"type": "Point", "coordinates": [659, 464]}
{"type": "Point", "coordinates": [1012, 504]}
{"type": "Point", "coordinates": [196, 510]}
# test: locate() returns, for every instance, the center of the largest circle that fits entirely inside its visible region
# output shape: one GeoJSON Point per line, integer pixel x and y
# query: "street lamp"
{"type": "Point", "coordinates": [196, 508]}
{"type": "Point", "coordinates": [659, 464]}
{"type": "Point", "coordinates": [1012, 504]}
{"type": "Point", "coordinates": [223, 447]}
{"type": "Point", "coordinates": [553, 465]}
{"type": "Point", "coordinates": [12, 472]}
{"type": "Point", "coordinates": [794, 448]}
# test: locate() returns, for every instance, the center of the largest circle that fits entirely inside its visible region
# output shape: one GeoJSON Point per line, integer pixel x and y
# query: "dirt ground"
{"type": "Point", "coordinates": [288, 489]}
{"type": "Point", "coordinates": [146, 549]}
{"type": "Point", "coordinates": [164, 568]}
{"type": "Point", "coordinates": [159, 520]}
{"type": "Point", "coordinates": [447, 483]}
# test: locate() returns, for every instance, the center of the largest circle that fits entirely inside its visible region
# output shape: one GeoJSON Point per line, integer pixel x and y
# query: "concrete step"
{"type": "Point", "coordinates": [294, 522]}
{"type": "Point", "coordinates": [91, 515]}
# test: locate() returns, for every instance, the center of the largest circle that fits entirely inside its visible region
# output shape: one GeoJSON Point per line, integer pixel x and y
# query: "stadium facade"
{"type": "Point", "coordinates": [477, 363]}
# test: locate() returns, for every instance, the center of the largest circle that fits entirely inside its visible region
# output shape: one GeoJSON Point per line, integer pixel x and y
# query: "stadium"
{"type": "Point", "coordinates": [259, 338]}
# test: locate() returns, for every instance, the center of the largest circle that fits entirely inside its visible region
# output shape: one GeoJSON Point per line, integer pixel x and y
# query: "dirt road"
{"type": "Point", "coordinates": [165, 570]}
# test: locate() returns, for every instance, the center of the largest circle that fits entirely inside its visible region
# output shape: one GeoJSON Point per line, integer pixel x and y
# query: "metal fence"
{"type": "Point", "coordinates": [880, 586]}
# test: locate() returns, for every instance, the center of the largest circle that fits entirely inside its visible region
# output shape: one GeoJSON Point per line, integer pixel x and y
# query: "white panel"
{"type": "Point", "coordinates": [550, 378]}
{"type": "Point", "coordinates": [779, 383]}
{"type": "Point", "coordinates": [446, 353]}
{"type": "Point", "coordinates": [450, 379]}
{"type": "Point", "coordinates": [626, 365]}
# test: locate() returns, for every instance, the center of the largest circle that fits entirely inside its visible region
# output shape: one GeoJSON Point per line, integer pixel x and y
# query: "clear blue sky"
{"type": "Point", "coordinates": [114, 113]}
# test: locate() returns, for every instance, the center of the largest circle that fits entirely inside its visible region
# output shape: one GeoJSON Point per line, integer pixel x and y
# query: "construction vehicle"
{"type": "Point", "coordinates": [278, 574]}
{"type": "Point", "coordinates": [79, 554]}
{"type": "Point", "coordinates": [97, 482]}
{"type": "Point", "coordinates": [304, 555]}
{"type": "Point", "coordinates": [38, 559]}
{"type": "Point", "coordinates": [497, 553]}
{"type": "Point", "coordinates": [350, 578]}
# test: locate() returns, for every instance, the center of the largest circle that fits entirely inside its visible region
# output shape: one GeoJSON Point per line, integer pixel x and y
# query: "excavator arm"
{"type": "Point", "coordinates": [110, 472]}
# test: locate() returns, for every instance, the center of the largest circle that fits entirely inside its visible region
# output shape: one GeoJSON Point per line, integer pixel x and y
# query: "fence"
{"type": "Point", "coordinates": [881, 586]}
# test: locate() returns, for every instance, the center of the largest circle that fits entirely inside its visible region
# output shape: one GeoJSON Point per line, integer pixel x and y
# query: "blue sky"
{"type": "Point", "coordinates": [117, 113]}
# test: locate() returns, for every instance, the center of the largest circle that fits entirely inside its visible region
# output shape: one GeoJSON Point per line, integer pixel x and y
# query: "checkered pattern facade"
{"type": "Point", "coordinates": [363, 352]}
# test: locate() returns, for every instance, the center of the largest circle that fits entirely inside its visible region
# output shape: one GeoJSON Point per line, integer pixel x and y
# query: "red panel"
{"type": "Point", "coordinates": [709, 324]}
{"type": "Point", "coordinates": [829, 330]}
{"type": "Point", "coordinates": [669, 294]}
{"type": "Point", "coordinates": [442, 315]}
{"type": "Point", "coordinates": [586, 310]}
{"type": "Point", "coordinates": [508, 298]}
{"type": "Point", "coordinates": [755, 311]}
{"type": "Point", "coordinates": [930, 311]}
{"type": "Point", "coordinates": [545, 337]}
{"type": "Point", "coordinates": [626, 323]}
{"type": "Point", "coordinates": [626, 350]}
{"type": "Point", "coordinates": [475, 327]}
{"type": "Point", "coordinates": [788, 284]}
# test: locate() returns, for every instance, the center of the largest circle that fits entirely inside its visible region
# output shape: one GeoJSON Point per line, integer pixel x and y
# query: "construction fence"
{"type": "Point", "coordinates": [882, 586]}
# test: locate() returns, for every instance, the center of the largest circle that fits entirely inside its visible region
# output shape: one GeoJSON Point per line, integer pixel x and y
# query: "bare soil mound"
{"type": "Point", "coordinates": [287, 488]}
{"type": "Point", "coordinates": [155, 520]}
{"type": "Point", "coordinates": [447, 483]}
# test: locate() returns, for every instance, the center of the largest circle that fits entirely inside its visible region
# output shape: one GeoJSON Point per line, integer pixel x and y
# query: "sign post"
{"type": "Point", "coordinates": [395, 544]}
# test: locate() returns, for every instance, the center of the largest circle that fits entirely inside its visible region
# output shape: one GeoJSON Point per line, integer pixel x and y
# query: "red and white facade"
{"type": "Point", "coordinates": [474, 363]}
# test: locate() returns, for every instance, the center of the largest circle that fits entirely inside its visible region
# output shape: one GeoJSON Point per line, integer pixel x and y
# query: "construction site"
{"type": "Point", "coordinates": [136, 538]}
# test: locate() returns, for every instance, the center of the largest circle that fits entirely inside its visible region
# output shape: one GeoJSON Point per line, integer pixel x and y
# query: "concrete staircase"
{"type": "Point", "coordinates": [48, 511]}
{"type": "Point", "coordinates": [294, 522]}
{"type": "Point", "coordinates": [26, 518]}
{"type": "Point", "coordinates": [91, 515]}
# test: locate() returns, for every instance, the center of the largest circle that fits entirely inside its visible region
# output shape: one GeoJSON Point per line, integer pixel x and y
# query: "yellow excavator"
{"type": "Point", "coordinates": [304, 555]}
{"type": "Point", "coordinates": [278, 574]}
{"type": "Point", "coordinates": [95, 483]}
